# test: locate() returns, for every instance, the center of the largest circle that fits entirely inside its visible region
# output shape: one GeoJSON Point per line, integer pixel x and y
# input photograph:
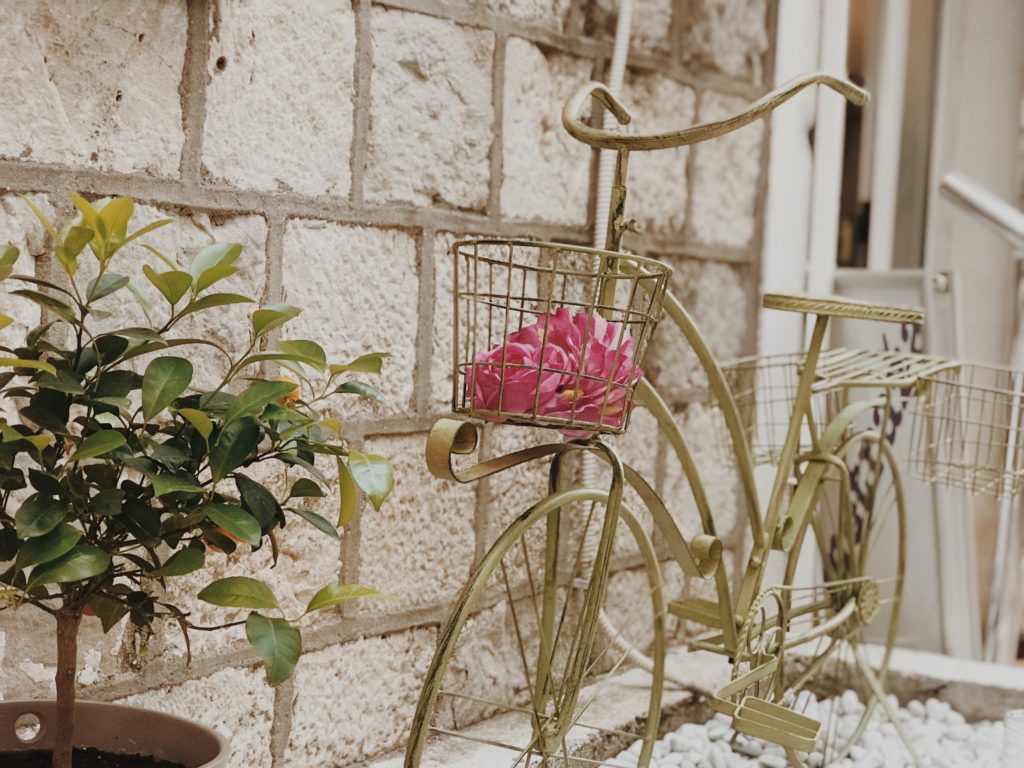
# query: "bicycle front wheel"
{"type": "Point", "coordinates": [521, 666]}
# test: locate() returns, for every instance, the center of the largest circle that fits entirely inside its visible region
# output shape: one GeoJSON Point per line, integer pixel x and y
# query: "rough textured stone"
{"type": "Point", "coordinates": [650, 24]}
{"type": "Point", "coordinates": [729, 35]}
{"type": "Point", "coordinates": [487, 663]}
{"type": "Point", "coordinates": [419, 547]}
{"type": "Point", "coordinates": [236, 702]}
{"type": "Point", "coordinates": [657, 188]}
{"type": "Point", "coordinates": [725, 178]}
{"type": "Point", "coordinates": [706, 289]}
{"type": "Point", "coordinates": [638, 448]}
{"type": "Point", "coordinates": [358, 289]}
{"type": "Point", "coordinates": [701, 428]}
{"type": "Point", "coordinates": [546, 171]}
{"type": "Point", "coordinates": [279, 103]}
{"type": "Point", "coordinates": [432, 126]}
{"type": "Point", "coordinates": [84, 90]}
{"type": "Point", "coordinates": [548, 12]}
{"type": "Point", "coordinates": [357, 699]}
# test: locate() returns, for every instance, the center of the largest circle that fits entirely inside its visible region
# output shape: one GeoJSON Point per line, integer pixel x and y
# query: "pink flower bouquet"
{"type": "Point", "coordinates": [569, 366]}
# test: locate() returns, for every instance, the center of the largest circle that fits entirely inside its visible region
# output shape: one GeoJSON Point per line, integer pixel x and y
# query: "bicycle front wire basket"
{"type": "Point", "coordinates": [968, 431]}
{"type": "Point", "coordinates": [552, 335]}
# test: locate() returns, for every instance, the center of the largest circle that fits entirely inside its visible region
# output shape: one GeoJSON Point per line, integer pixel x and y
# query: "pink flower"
{"type": "Point", "coordinates": [586, 374]}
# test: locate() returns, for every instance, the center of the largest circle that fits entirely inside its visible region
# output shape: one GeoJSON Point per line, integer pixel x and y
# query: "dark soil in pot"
{"type": "Point", "coordinates": [83, 758]}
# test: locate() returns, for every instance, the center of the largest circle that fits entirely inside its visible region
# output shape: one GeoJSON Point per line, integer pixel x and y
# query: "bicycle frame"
{"type": "Point", "coordinates": [762, 525]}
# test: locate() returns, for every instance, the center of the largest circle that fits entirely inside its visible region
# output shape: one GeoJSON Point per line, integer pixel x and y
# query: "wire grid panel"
{"type": "Point", "coordinates": [764, 389]}
{"type": "Point", "coordinates": [552, 335]}
{"type": "Point", "coordinates": [967, 429]}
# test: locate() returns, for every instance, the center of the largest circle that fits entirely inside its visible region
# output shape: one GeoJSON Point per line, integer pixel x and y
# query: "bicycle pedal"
{"type": "Point", "coordinates": [773, 722]}
{"type": "Point", "coordinates": [697, 609]}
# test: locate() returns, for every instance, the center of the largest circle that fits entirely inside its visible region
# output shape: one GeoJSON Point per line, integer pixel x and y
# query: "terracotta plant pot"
{"type": "Point", "coordinates": [26, 725]}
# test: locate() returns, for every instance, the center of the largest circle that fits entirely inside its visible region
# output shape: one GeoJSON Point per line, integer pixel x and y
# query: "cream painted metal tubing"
{"type": "Point", "coordinates": [598, 137]}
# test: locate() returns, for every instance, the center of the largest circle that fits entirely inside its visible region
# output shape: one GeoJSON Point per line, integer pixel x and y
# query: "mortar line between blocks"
{"type": "Point", "coordinates": [427, 298]}
{"type": "Point", "coordinates": [192, 89]}
{"type": "Point", "coordinates": [362, 97]}
{"type": "Point", "coordinates": [497, 158]}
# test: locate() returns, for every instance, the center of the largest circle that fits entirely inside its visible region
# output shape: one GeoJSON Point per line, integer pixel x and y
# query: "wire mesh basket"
{"type": "Point", "coordinates": [967, 429]}
{"type": "Point", "coordinates": [764, 389]}
{"type": "Point", "coordinates": [552, 335]}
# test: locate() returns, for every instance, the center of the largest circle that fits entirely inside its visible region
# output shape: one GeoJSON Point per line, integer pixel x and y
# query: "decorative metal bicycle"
{"type": "Point", "coordinates": [551, 335]}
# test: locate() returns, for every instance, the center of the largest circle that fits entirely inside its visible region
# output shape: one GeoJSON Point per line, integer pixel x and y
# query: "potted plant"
{"type": "Point", "coordinates": [120, 473]}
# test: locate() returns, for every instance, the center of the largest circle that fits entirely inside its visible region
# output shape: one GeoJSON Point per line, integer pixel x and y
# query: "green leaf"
{"type": "Point", "coordinates": [108, 611]}
{"type": "Point", "coordinates": [215, 300]}
{"type": "Point", "coordinates": [97, 444]}
{"type": "Point", "coordinates": [113, 220]}
{"type": "Point", "coordinates": [166, 260]}
{"type": "Point", "coordinates": [347, 492]}
{"type": "Point", "coordinates": [181, 562]}
{"type": "Point", "coordinates": [258, 500]}
{"type": "Point", "coordinates": [305, 351]}
{"type": "Point", "coordinates": [256, 398]}
{"type": "Point", "coordinates": [304, 488]}
{"type": "Point", "coordinates": [164, 484]}
{"type": "Point", "coordinates": [361, 389]}
{"type": "Point", "coordinates": [234, 520]}
{"type": "Point", "coordinates": [81, 563]}
{"type": "Point", "coordinates": [214, 255]}
{"type": "Point", "coordinates": [9, 255]}
{"type": "Point", "coordinates": [272, 316]}
{"type": "Point", "coordinates": [172, 284]}
{"type": "Point", "coordinates": [199, 420]}
{"type": "Point", "coordinates": [89, 215]}
{"type": "Point", "coordinates": [75, 240]}
{"type": "Point", "coordinates": [373, 474]}
{"type": "Point", "coordinates": [336, 594]}
{"type": "Point", "coordinates": [104, 285]}
{"type": "Point", "coordinates": [234, 443]}
{"type": "Point", "coordinates": [213, 275]}
{"type": "Point", "coordinates": [318, 522]}
{"type": "Point", "coordinates": [5, 320]}
{"type": "Point", "coordinates": [43, 549]}
{"type": "Point", "coordinates": [238, 592]}
{"type": "Point", "coordinates": [17, 362]}
{"type": "Point", "coordinates": [47, 224]}
{"type": "Point", "coordinates": [278, 642]}
{"type": "Point", "coordinates": [165, 379]}
{"type": "Point", "coordinates": [372, 362]}
{"type": "Point", "coordinates": [147, 229]}
{"type": "Point", "coordinates": [49, 303]}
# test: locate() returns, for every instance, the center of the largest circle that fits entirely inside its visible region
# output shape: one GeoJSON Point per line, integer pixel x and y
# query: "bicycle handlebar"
{"type": "Point", "coordinates": [604, 139]}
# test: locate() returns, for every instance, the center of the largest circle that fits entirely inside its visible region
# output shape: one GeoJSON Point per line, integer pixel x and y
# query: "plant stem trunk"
{"type": "Point", "coordinates": [68, 620]}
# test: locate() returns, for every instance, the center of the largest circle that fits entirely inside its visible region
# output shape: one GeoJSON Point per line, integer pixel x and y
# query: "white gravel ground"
{"type": "Point", "coordinates": [941, 736]}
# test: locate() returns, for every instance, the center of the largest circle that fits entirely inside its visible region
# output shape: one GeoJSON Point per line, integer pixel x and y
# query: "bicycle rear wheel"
{"type": "Point", "coordinates": [859, 528]}
{"type": "Point", "coordinates": [520, 676]}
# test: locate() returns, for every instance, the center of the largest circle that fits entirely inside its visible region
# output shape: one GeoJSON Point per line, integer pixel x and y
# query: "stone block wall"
{"type": "Point", "coordinates": [346, 144]}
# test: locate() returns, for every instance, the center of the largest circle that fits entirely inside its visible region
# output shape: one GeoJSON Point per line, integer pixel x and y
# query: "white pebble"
{"type": "Point", "coordinates": [940, 734]}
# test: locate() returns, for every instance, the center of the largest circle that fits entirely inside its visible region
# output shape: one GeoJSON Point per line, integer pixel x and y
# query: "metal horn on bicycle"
{"type": "Point", "coordinates": [604, 139]}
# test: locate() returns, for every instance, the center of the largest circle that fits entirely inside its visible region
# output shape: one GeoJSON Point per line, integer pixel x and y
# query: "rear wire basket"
{"type": "Point", "coordinates": [551, 335]}
{"type": "Point", "coordinates": [967, 429]}
{"type": "Point", "coordinates": [764, 389]}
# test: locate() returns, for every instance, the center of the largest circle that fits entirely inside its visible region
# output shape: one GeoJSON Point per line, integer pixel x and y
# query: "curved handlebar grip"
{"type": "Point", "coordinates": [598, 137]}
